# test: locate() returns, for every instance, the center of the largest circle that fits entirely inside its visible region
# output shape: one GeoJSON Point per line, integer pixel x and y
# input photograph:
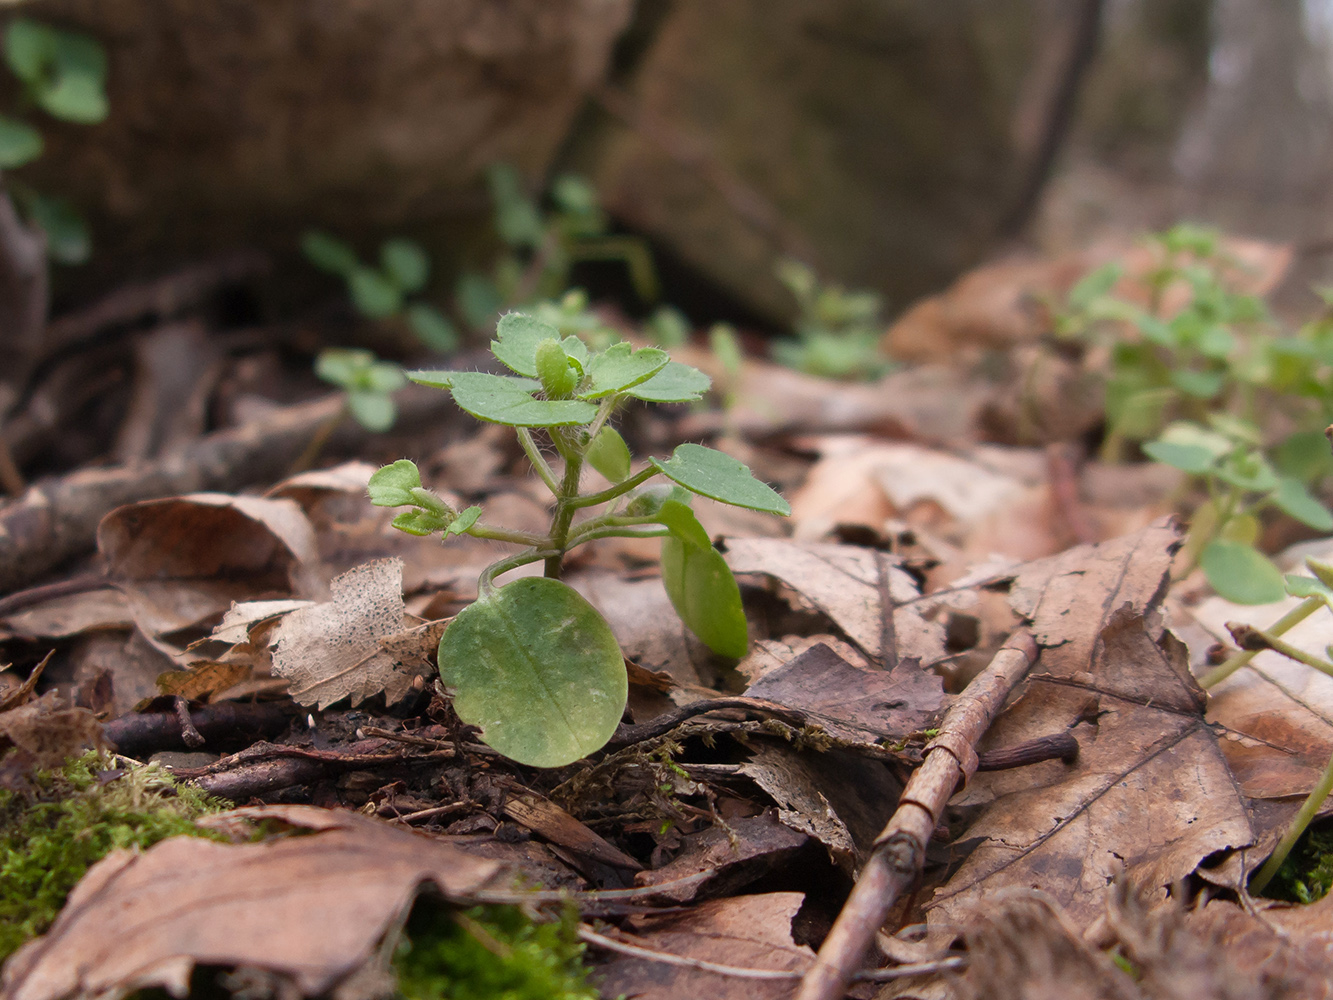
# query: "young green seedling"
{"type": "Point", "coordinates": [64, 74]}
{"type": "Point", "coordinates": [368, 385]}
{"type": "Point", "coordinates": [838, 332]}
{"type": "Point", "coordinates": [383, 292]}
{"type": "Point", "coordinates": [533, 663]}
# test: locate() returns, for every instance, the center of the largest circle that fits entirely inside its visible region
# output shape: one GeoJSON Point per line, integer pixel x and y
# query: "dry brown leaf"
{"type": "Point", "coordinates": [354, 645]}
{"type": "Point", "coordinates": [41, 734]}
{"type": "Point", "coordinates": [746, 849]}
{"type": "Point", "coordinates": [71, 615]}
{"type": "Point", "coordinates": [1150, 793]}
{"type": "Point", "coordinates": [748, 931]}
{"type": "Point", "coordinates": [312, 909]}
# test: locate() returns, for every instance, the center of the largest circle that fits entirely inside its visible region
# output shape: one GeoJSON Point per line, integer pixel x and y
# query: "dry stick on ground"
{"type": "Point", "coordinates": [899, 851]}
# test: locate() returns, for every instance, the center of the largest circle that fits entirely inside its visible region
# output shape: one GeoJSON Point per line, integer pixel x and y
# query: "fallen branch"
{"type": "Point", "coordinates": [900, 850]}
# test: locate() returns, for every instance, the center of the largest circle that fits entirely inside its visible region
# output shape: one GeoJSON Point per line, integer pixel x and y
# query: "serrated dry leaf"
{"type": "Point", "coordinates": [352, 646]}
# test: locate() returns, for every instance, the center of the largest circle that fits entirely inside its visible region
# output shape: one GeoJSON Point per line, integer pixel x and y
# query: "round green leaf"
{"type": "Point", "coordinates": [372, 410]}
{"type": "Point", "coordinates": [74, 97]}
{"type": "Point", "coordinates": [392, 485]}
{"type": "Point", "coordinates": [432, 328]}
{"type": "Point", "coordinates": [343, 366]}
{"type": "Point", "coordinates": [405, 264]}
{"type": "Point", "coordinates": [1307, 586]}
{"type": "Point", "coordinates": [373, 295]}
{"type": "Point", "coordinates": [675, 383]}
{"type": "Point", "coordinates": [1294, 499]}
{"type": "Point", "coordinates": [508, 401]}
{"type": "Point", "coordinates": [609, 454]}
{"type": "Point", "coordinates": [1241, 573]}
{"type": "Point", "coordinates": [711, 473]}
{"type": "Point", "coordinates": [329, 253]}
{"type": "Point", "coordinates": [20, 143]}
{"type": "Point", "coordinates": [518, 335]}
{"type": "Point", "coordinates": [705, 595]}
{"type": "Point", "coordinates": [538, 670]}
{"type": "Point", "coordinates": [382, 376]}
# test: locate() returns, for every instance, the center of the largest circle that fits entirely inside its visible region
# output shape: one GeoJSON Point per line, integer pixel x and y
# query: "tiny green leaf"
{"type": "Point", "coordinates": [374, 411]}
{"type": "Point", "coordinates": [1306, 586]}
{"type": "Point", "coordinates": [609, 454]}
{"type": "Point", "coordinates": [420, 522]}
{"type": "Point", "coordinates": [383, 377]}
{"type": "Point", "coordinates": [466, 518]}
{"type": "Point", "coordinates": [675, 383]}
{"type": "Point", "coordinates": [1322, 570]}
{"type": "Point", "coordinates": [438, 379]}
{"type": "Point", "coordinates": [74, 97]}
{"type": "Point", "coordinates": [20, 143]}
{"type": "Point", "coordinates": [538, 669]}
{"type": "Point", "coordinates": [405, 264]}
{"type": "Point", "coordinates": [329, 253]}
{"type": "Point", "coordinates": [705, 595]}
{"type": "Point", "coordinates": [518, 336]}
{"type": "Point", "coordinates": [1200, 385]}
{"type": "Point", "coordinates": [557, 377]}
{"type": "Point", "coordinates": [713, 474]}
{"type": "Point", "coordinates": [29, 47]}
{"type": "Point", "coordinates": [392, 485]}
{"type": "Point", "coordinates": [1241, 573]}
{"type": "Point", "coordinates": [1192, 458]}
{"type": "Point", "coordinates": [684, 525]}
{"type": "Point", "coordinates": [1094, 285]}
{"type": "Point", "coordinates": [619, 367]}
{"type": "Point", "coordinates": [432, 328]}
{"type": "Point", "coordinates": [374, 296]}
{"type": "Point", "coordinates": [1294, 499]}
{"type": "Point", "coordinates": [509, 401]}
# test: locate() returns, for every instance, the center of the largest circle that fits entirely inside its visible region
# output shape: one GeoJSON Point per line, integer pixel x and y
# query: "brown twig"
{"type": "Point", "coordinates": [899, 852]}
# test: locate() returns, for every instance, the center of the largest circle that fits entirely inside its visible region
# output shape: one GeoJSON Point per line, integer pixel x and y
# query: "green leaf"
{"type": "Point", "coordinates": [20, 143]}
{"type": "Point", "coordinates": [558, 377]}
{"type": "Point", "coordinates": [538, 670]}
{"type": "Point", "coordinates": [343, 366]}
{"type": "Point", "coordinates": [676, 383]}
{"type": "Point", "coordinates": [373, 295]}
{"type": "Point", "coordinates": [329, 253]}
{"type": "Point", "coordinates": [518, 336]}
{"type": "Point", "coordinates": [680, 519]}
{"type": "Point", "coordinates": [420, 522]}
{"type": "Point", "coordinates": [29, 48]}
{"type": "Point", "coordinates": [1241, 573]}
{"type": "Point", "coordinates": [619, 367]}
{"type": "Point", "coordinates": [383, 377]}
{"type": "Point", "coordinates": [713, 474]}
{"type": "Point", "coordinates": [405, 264]}
{"type": "Point", "coordinates": [509, 401]}
{"type": "Point", "coordinates": [1094, 285]}
{"type": "Point", "coordinates": [392, 485]}
{"type": "Point", "coordinates": [74, 97]}
{"type": "Point", "coordinates": [441, 379]}
{"type": "Point", "coordinates": [1294, 499]}
{"type": "Point", "coordinates": [609, 454]}
{"type": "Point", "coordinates": [1192, 458]}
{"type": "Point", "coordinates": [1305, 455]}
{"type": "Point", "coordinates": [466, 518]}
{"type": "Point", "coordinates": [705, 595]}
{"type": "Point", "coordinates": [372, 410]}
{"type": "Point", "coordinates": [67, 238]}
{"type": "Point", "coordinates": [1200, 385]}
{"type": "Point", "coordinates": [478, 300]}
{"type": "Point", "coordinates": [1306, 586]}
{"type": "Point", "coordinates": [516, 216]}
{"type": "Point", "coordinates": [432, 328]}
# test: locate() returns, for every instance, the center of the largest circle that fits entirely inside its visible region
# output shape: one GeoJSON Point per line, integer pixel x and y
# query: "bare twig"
{"type": "Point", "coordinates": [899, 851]}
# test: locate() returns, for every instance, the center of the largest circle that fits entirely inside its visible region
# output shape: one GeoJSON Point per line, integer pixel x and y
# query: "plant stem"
{"type": "Point", "coordinates": [612, 531]}
{"type": "Point", "coordinates": [1284, 624]}
{"type": "Point", "coordinates": [1249, 637]}
{"type": "Point", "coordinates": [538, 462]}
{"type": "Point", "coordinates": [1309, 808]}
{"type": "Point", "coordinates": [480, 529]}
{"type": "Point", "coordinates": [317, 441]}
{"type": "Point", "coordinates": [604, 411]}
{"type": "Point", "coordinates": [566, 499]}
{"type": "Point", "coordinates": [620, 489]}
{"type": "Point", "coordinates": [486, 582]}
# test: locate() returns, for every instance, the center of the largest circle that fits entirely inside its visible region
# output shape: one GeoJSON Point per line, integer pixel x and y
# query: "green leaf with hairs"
{"type": "Point", "coordinates": [675, 383]}
{"type": "Point", "coordinates": [517, 337]}
{"type": "Point", "coordinates": [508, 401]}
{"type": "Point", "coordinates": [705, 595]}
{"type": "Point", "coordinates": [392, 485]}
{"type": "Point", "coordinates": [620, 367]}
{"type": "Point", "coordinates": [713, 474]}
{"type": "Point", "coordinates": [609, 454]}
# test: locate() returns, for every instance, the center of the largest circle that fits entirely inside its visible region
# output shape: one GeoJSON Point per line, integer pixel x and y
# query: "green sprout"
{"type": "Point", "coordinates": [838, 332]}
{"type": "Point", "coordinates": [64, 74]}
{"type": "Point", "coordinates": [382, 293]}
{"type": "Point", "coordinates": [532, 663]}
{"type": "Point", "coordinates": [368, 382]}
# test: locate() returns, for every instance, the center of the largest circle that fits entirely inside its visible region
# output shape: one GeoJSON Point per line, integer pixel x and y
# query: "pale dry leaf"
{"type": "Point", "coordinates": [338, 649]}
{"type": "Point", "coordinates": [71, 615]}
{"type": "Point", "coordinates": [238, 623]}
{"type": "Point", "coordinates": [311, 909]}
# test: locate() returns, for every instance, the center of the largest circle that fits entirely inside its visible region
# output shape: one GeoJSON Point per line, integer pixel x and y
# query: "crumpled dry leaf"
{"type": "Point", "coordinates": [41, 734]}
{"type": "Point", "coordinates": [311, 908]}
{"type": "Point", "coordinates": [747, 848]}
{"type": "Point", "coordinates": [1150, 793]}
{"type": "Point", "coordinates": [358, 644]}
{"type": "Point", "coordinates": [70, 615]}
{"type": "Point", "coordinates": [747, 931]}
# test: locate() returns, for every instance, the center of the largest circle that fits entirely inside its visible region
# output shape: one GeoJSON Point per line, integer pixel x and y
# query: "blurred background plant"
{"type": "Point", "coordinates": [838, 331]}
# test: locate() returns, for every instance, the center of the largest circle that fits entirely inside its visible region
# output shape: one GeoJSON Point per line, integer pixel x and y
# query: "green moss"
{"type": "Point", "coordinates": [490, 953]}
{"type": "Point", "coordinates": [71, 819]}
{"type": "Point", "coordinates": [1307, 874]}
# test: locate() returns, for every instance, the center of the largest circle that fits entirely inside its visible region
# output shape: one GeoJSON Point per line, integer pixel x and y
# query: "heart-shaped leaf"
{"type": "Point", "coordinates": [705, 595]}
{"type": "Point", "coordinates": [620, 367]}
{"type": "Point", "coordinates": [609, 454]}
{"type": "Point", "coordinates": [509, 401]}
{"type": "Point", "coordinates": [392, 485]}
{"type": "Point", "coordinates": [675, 383]}
{"type": "Point", "coordinates": [711, 473]}
{"type": "Point", "coordinates": [1241, 573]}
{"type": "Point", "coordinates": [538, 670]}
{"type": "Point", "coordinates": [518, 336]}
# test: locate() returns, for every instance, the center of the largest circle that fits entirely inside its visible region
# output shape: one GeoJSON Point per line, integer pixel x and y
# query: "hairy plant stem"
{"type": "Point", "coordinates": [1260, 640]}
{"type": "Point", "coordinates": [1284, 624]}
{"type": "Point", "coordinates": [496, 534]}
{"type": "Point", "coordinates": [1309, 809]}
{"type": "Point", "coordinates": [565, 501]}
{"type": "Point", "coordinates": [620, 489]}
{"type": "Point", "coordinates": [539, 463]}
{"type": "Point", "coordinates": [486, 582]}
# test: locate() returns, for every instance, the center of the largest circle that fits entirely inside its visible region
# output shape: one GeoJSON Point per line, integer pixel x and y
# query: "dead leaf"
{"type": "Point", "coordinates": [748, 931]}
{"type": "Point", "coordinates": [310, 908]}
{"type": "Point", "coordinates": [734, 855]}
{"type": "Point", "coordinates": [41, 734]}
{"type": "Point", "coordinates": [341, 648]}
{"type": "Point", "coordinates": [71, 615]}
{"type": "Point", "coordinates": [545, 818]}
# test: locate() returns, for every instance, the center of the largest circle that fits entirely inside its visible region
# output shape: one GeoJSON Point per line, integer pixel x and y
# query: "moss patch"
{"type": "Point", "coordinates": [71, 819]}
{"type": "Point", "coordinates": [487, 952]}
{"type": "Point", "coordinates": [1307, 874]}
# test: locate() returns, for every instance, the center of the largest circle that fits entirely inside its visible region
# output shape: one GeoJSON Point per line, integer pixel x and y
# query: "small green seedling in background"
{"type": "Point", "coordinates": [64, 74]}
{"type": "Point", "coordinates": [532, 663]}
{"type": "Point", "coordinates": [369, 383]}
{"type": "Point", "coordinates": [838, 332]}
{"type": "Point", "coordinates": [383, 292]}
{"type": "Point", "coordinates": [542, 248]}
{"type": "Point", "coordinates": [1228, 459]}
